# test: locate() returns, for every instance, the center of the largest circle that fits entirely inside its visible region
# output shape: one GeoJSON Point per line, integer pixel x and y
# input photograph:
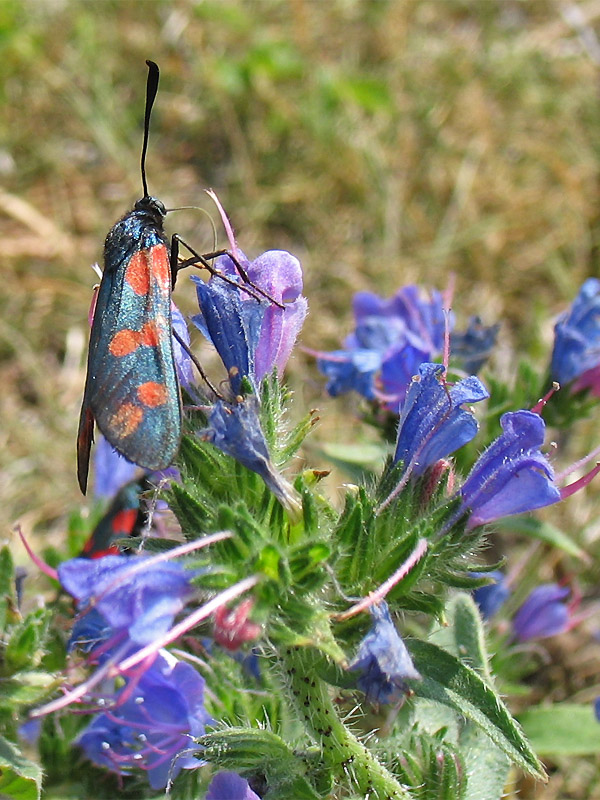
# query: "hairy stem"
{"type": "Point", "coordinates": [351, 764]}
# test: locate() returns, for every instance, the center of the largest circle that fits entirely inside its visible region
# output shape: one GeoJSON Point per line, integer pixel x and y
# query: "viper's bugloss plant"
{"type": "Point", "coordinates": [265, 643]}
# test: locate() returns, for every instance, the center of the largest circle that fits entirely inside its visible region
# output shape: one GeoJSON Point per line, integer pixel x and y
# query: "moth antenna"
{"type": "Point", "coordinates": [151, 90]}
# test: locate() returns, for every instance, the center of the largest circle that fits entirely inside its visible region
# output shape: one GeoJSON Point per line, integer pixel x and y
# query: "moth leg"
{"type": "Point", "coordinates": [203, 262]}
{"type": "Point", "coordinates": [198, 366]}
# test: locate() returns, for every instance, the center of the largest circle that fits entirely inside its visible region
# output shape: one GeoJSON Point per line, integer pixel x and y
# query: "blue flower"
{"type": "Point", "coordinates": [392, 337]}
{"type": "Point", "coordinates": [183, 362]}
{"type": "Point", "coordinates": [432, 422]}
{"type": "Point", "coordinates": [350, 370]}
{"type": "Point", "coordinates": [136, 597]}
{"type": "Point", "coordinates": [512, 476]}
{"type": "Point", "coordinates": [251, 337]}
{"type": "Point", "coordinates": [235, 429]}
{"type": "Point", "coordinates": [544, 613]}
{"type": "Point", "coordinates": [111, 470]}
{"type": "Point", "coordinates": [577, 339]}
{"type": "Point", "coordinates": [472, 348]}
{"type": "Point", "coordinates": [383, 660]}
{"type": "Point", "coordinates": [597, 708]}
{"type": "Point", "coordinates": [229, 786]}
{"type": "Point", "coordinates": [491, 597]}
{"type": "Point", "coordinates": [231, 325]}
{"type": "Point", "coordinates": [152, 723]}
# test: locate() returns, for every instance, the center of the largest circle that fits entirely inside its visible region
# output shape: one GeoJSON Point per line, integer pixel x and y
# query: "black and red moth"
{"type": "Point", "coordinates": [131, 389]}
{"type": "Point", "coordinates": [127, 516]}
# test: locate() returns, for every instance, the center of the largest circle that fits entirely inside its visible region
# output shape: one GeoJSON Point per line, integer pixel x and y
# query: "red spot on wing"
{"type": "Point", "coordinates": [126, 420]}
{"type": "Point", "coordinates": [137, 274]}
{"type": "Point", "coordinates": [160, 267]}
{"type": "Point", "coordinates": [123, 522]}
{"type": "Point", "coordinates": [91, 552]}
{"type": "Point", "coordinates": [146, 265]}
{"type": "Point", "coordinates": [150, 334]}
{"type": "Point", "coordinates": [124, 342]}
{"type": "Point", "coordinates": [152, 394]}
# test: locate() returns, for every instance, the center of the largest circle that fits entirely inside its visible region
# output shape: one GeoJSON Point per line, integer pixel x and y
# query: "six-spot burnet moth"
{"type": "Point", "coordinates": [131, 390]}
{"type": "Point", "coordinates": [127, 516]}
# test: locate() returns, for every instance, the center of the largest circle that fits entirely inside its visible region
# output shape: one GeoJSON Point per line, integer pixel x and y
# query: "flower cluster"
{"type": "Point", "coordinates": [124, 604]}
{"type": "Point", "coordinates": [151, 708]}
{"type": "Point", "coordinates": [392, 338]}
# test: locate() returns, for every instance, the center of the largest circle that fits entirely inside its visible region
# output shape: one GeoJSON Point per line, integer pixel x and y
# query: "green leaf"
{"type": "Point", "coordinates": [467, 635]}
{"type": "Point", "coordinates": [564, 729]}
{"type": "Point", "coordinates": [26, 689]}
{"type": "Point", "coordinates": [22, 646]}
{"type": "Point", "coordinates": [448, 681]}
{"type": "Point", "coordinates": [7, 573]}
{"type": "Point", "coordinates": [250, 750]}
{"type": "Point", "coordinates": [20, 779]}
{"type": "Point", "coordinates": [545, 532]}
{"type": "Point", "coordinates": [486, 767]}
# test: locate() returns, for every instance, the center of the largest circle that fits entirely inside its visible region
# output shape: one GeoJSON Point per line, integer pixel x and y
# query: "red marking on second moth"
{"type": "Point", "coordinates": [152, 394]}
{"type": "Point", "coordinates": [123, 521]}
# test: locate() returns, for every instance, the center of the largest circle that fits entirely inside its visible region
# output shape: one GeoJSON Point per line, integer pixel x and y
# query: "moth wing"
{"type": "Point", "coordinates": [131, 389]}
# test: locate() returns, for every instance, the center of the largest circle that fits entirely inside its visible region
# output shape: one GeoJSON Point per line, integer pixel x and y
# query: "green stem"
{"type": "Point", "coordinates": [348, 759]}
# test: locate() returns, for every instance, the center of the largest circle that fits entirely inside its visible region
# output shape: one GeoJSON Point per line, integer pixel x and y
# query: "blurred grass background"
{"type": "Point", "coordinates": [382, 142]}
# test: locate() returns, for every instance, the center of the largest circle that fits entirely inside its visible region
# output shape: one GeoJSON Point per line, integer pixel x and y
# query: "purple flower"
{"type": "Point", "coordinates": [392, 337]}
{"type": "Point", "coordinates": [472, 348]}
{"type": "Point", "coordinates": [229, 786]}
{"type": "Point", "coordinates": [235, 429]}
{"type": "Point", "coordinates": [491, 597]}
{"type": "Point", "coordinates": [383, 660]}
{"type": "Point", "coordinates": [512, 476]}
{"type": "Point", "coordinates": [138, 601]}
{"type": "Point", "coordinates": [350, 369]}
{"type": "Point", "coordinates": [183, 362]}
{"type": "Point", "coordinates": [231, 325]}
{"type": "Point", "coordinates": [112, 470]}
{"type": "Point", "coordinates": [544, 613]}
{"type": "Point", "coordinates": [253, 338]}
{"type": "Point", "coordinates": [432, 422]}
{"type": "Point", "coordinates": [151, 724]}
{"type": "Point", "coordinates": [597, 708]}
{"type": "Point", "coordinates": [576, 351]}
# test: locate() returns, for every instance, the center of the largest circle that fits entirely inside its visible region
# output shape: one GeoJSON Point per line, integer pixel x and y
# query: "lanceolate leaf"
{"type": "Point", "coordinates": [448, 681]}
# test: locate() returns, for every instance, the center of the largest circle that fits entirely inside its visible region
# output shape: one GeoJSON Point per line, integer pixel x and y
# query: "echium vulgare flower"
{"type": "Point", "coordinates": [491, 597]}
{"type": "Point", "coordinates": [576, 354]}
{"type": "Point", "coordinates": [252, 336]}
{"type": "Point", "coordinates": [513, 475]}
{"type": "Point", "coordinates": [433, 423]}
{"type": "Point", "coordinates": [230, 786]}
{"type": "Point", "coordinates": [545, 612]}
{"type": "Point", "coordinates": [151, 723]}
{"type": "Point", "coordinates": [392, 338]}
{"type": "Point", "coordinates": [124, 602]}
{"type": "Point", "coordinates": [383, 660]}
